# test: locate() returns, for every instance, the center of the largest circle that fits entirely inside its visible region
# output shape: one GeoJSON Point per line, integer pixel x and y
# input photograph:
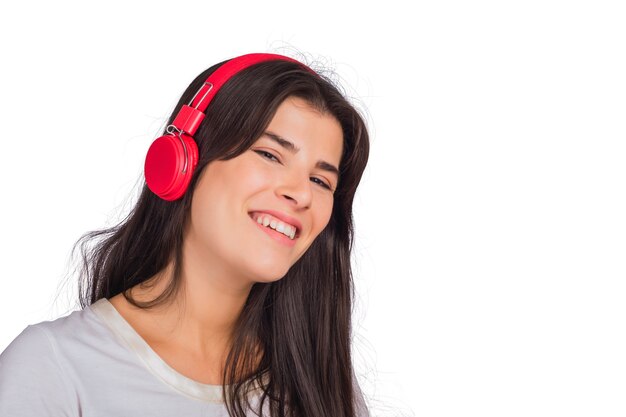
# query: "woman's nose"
{"type": "Point", "coordinates": [296, 188]}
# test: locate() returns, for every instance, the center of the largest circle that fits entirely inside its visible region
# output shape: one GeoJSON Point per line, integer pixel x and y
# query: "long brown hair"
{"type": "Point", "coordinates": [303, 320]}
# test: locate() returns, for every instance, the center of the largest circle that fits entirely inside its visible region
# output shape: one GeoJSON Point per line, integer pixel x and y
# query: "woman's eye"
{"type": "Point", "coordinates": [322, 183]}
{"type": "Point", "coordinates": [269, 156]}
{"type": "Point", "coordinates": [267, 153]}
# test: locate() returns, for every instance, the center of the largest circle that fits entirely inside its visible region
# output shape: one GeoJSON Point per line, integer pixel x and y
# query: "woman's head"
{"type": "Point", "coordinates": [299, 310]}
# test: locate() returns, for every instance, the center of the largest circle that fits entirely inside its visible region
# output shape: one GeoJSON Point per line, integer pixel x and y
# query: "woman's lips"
{"type": "Point", "coordinates": [277, 236]}
{"type": "Point", "coordinates": [292, 221]}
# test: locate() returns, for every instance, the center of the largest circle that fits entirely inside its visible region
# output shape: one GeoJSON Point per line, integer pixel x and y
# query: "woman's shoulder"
{"type": "Point", "coordinates": [32, 378]}
{"type": "Point", "coordinates": [37, 338]}
{"type": "Point", "coordinates": [42, 367]}
{"type": "Point", "coordinates": [71, 327]}
{"type": "Point", "coordinates": [56, 340]}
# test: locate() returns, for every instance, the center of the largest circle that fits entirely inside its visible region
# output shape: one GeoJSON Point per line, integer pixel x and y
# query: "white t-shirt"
{"type": "Point", "coordinates": [92, 363]}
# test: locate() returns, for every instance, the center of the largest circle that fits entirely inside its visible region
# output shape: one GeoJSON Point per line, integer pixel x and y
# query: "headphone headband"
{"type": "Point", "coordinates": [219, 77]}
{"type": "Point", "coordinates": [190, 116]}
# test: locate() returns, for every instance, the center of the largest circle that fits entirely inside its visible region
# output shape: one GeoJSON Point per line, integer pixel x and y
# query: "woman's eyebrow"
{"type": "Point", "coordinates": [291, 147]}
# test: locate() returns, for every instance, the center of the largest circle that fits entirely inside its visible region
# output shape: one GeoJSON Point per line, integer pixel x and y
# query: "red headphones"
{"type": "Point", "coordinates": [172, 158]}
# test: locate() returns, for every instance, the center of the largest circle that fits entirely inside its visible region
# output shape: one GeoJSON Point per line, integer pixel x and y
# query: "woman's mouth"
{"type": "Point", "coordinates": [265, 223]}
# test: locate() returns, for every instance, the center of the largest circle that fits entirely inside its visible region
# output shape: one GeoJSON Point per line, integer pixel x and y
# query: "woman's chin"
{"type": "Point", "coordinates": [268, 278]}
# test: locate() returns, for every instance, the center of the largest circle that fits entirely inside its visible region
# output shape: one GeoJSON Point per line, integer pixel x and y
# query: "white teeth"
{"type": "Point", "coordinates": [279, 226]}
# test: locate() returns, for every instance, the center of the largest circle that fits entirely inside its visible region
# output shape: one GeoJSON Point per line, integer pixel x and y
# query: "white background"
{"type": "Point", "coordinates": [491, 231]}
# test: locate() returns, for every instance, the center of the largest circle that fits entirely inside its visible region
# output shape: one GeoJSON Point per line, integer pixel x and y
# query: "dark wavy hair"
{"type": "Point", "coordinates": [302, 321]}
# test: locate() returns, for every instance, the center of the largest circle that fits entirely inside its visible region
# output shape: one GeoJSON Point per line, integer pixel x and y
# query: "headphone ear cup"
{"type": "Point", "coordinates": [165, 160]}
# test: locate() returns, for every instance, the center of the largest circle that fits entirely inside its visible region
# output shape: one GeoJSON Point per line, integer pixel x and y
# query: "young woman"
{"type": "Point", "coordinates": [227, 291]}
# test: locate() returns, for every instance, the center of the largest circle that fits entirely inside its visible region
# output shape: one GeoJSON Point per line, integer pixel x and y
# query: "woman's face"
{"type": "Point", "coordinates": [223, 234]}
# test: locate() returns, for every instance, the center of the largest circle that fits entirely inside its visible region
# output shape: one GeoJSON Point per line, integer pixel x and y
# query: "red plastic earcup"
{"type": "Point", "coordinates": [163, 168]}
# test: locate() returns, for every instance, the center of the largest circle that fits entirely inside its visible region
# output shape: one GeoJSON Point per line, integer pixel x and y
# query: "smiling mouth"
{"type": "Point", "coordinates": [296, 235]}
